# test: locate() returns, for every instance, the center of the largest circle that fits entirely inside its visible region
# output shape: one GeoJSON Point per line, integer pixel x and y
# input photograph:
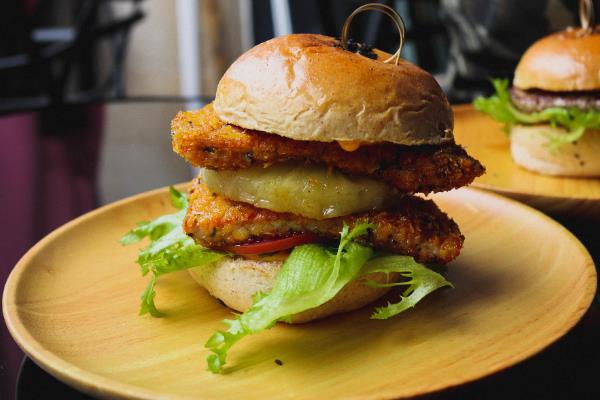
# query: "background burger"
{"type": "Point", "coordinates": [305, 207]}
{"type": "Point", "coordinates": [552, 111]}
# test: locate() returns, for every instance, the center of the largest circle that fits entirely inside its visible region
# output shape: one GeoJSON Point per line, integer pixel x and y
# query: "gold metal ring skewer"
{"type": "Point", "coordinates": [586, 15]}
{"type": "Point", "coordinates": [390, 12]}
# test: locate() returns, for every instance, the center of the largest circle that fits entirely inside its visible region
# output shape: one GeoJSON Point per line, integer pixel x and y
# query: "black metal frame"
{"type": "Point", "coordinates": [54, 65]}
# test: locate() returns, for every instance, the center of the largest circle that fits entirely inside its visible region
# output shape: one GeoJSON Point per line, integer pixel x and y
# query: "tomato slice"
{"type": "Point", "coordinates": [274, 245]}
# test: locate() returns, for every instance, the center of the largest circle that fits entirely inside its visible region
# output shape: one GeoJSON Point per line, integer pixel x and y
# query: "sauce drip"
{"type": "Point", "coordinates": [349, 145]}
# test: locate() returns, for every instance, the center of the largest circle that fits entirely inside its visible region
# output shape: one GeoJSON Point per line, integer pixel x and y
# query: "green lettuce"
{"type": "Point", "coordinates": [421, 281]}
{"type": "Point", "coordinates": [313, 275]}
{"type": "Point", "coordinates": [170, 249]}
{"type": "Point", "coordinates": [500, 107]}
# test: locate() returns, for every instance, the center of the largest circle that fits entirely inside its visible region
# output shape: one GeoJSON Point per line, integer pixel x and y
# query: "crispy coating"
{"type": "Point", "coordinates": [414, 227]}
{"type": "Point", "coordinates": [204, 140]}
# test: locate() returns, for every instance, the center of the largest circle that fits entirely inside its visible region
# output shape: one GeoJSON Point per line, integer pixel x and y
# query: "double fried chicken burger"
{"type": "Point", "coordinates": [306, 205]}
{"type": "Point", "coordinates": [552, 110]}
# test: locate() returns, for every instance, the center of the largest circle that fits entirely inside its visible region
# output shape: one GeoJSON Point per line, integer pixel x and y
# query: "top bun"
{"type": "Point", "coordinates": [306, 87]}
{"type": "Point", "coordinates": [564, 61]}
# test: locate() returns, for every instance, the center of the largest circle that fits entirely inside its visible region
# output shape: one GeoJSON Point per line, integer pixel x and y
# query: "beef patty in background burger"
{"type": "Point", "coordinates": [305, 206]}
{"type": "Point", "coordinates": [552, 111]}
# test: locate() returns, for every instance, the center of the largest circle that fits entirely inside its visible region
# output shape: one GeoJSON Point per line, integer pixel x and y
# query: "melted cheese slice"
{"type": "Point", "coordinates": [308, 190]}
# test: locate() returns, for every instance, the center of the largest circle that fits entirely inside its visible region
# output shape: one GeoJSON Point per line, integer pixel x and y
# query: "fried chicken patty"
{"type": "Point", "coordinates": [204, 140]}
{"type": "Point", "coordinates": [415, 227]}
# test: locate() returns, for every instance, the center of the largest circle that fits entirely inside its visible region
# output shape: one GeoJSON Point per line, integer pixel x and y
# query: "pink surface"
{"type": "Point", "coordinates": [17, 202]}
{"type": "Point", "coordinates": [45, 181]}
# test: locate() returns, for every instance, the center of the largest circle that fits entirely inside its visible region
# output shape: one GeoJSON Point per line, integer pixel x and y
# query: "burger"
{"type": "Point", "coordinates": [552, 110]}
{"type": "Point", "coordinates": [310, 160]}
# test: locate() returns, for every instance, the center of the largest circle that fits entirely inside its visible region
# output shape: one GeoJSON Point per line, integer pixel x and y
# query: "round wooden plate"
{"type": "Point", "coordinates": [71, 303]}
{"type": "Point", "coordinates": [561, 196]}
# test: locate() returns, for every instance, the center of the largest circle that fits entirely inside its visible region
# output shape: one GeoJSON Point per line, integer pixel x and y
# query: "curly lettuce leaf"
{"type": "Point", "coordinates": [147, 305]}
{"type": "Point", "coordinates": [311, 276]}
{"type": "Point", "coordinates": [421, 282]}
{"type": "Point", "coordinates": [500, 107]}
{"type": "Point", "coordinates": [170, 249]}
{"type": "Point", "coordinates": [161, 225]}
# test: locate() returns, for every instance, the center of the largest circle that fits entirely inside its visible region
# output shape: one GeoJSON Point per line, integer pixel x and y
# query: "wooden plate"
{"type": "Point", "coordinates": [485, 140]}
{"type": "Point", "coordinates": [71, 303]}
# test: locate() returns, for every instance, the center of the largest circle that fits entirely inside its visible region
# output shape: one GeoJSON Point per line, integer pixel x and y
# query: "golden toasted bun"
{"type": "Point", "coordinates": [529, 148]}
{"type": "Point", "coordinates": [236, 280]}
{"type": "Point", "coordinates": [306, 87]}
{"type": "Point", "coordinates": [564, 61]}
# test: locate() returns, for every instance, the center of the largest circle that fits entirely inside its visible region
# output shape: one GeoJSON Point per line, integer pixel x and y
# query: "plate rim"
{"type": "Point", "coordinates": [507, 191]}
{"type": "Point", "coordinates": [68, 373]}
{"type": "Point", "coordinates": [98, 385]}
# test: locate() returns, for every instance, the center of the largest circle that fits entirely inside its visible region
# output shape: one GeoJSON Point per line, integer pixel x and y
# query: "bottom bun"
{"type": "Point", "coordinates": [530, 150]}
{"type": "Point", "coordinates": [235, 280]}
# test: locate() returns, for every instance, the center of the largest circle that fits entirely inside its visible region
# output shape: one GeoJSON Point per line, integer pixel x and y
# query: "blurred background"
{"type": "Point", "coordinates": [88, 87]}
